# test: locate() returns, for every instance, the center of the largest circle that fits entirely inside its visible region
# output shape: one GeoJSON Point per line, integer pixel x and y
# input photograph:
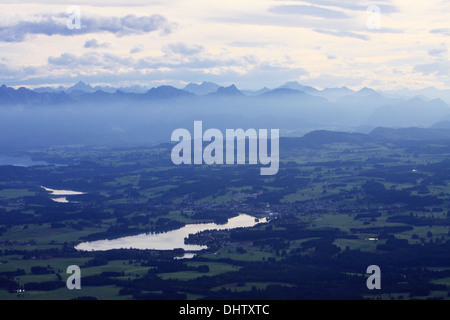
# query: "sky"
{"type": "Point", "coordinates": [384, 44]}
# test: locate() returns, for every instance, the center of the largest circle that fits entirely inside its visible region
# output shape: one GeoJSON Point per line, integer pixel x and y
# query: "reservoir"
{"type": "Point", "coordinates": [169, 240]}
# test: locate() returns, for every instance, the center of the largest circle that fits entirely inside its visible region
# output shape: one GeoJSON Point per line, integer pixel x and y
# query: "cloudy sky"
{"type": "Point", "coordinates": [384, 44]}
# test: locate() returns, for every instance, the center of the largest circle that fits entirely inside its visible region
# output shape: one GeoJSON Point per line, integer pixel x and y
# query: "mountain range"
{"type": "Point", "coordinates": [208, 88]}
{"type": "Point", "coordinates": [83, 114]}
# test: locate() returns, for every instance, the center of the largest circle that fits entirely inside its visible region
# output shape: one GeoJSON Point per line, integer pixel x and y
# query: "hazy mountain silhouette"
{"type": "Point", "coordinates": [320, 137]}
{"type": "Point", "coordinates": [282, 92]}
{"type": "Point", "coordinates": [24, 96]}
{"type": "Point", "coordinates": [444, 124]}
{"type": "Point", "coordinates": [410, 134]}
{"type": "Point", "coordinates": [42, 117]}
{"type": "Point", "coordinates": [414, 112]}
{"type": "Point", "coordinates": [430, 93]}
{"type": "Point", "coordinates": [256, 93]}
{"type": "Point", "coordinates": [80, 87]}
{"type": "Point", "coordinates": [166, 92]}
{"type": "Point", "coordinates": [49, 89]}
{"type": "Point", "coordinates": [227, 91]}
{"type": "Point", "coordinates": [294, 85]}
{"type": "Point", "coordinates": [202, 89]}
{"type": "Point", "coordinates": [335, 93]}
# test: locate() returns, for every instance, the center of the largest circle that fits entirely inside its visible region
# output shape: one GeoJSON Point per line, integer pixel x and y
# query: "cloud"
{"type": "Point", "coordinates": [97, 3]}
{"type": "Point", "coordinates": [63, 60]}
{"type": "Point", "coordinates": [327, 17]}
{"type": "Point", "coordinates": [94, 44]}
{"type": "Point", "coordinates": [309, 11]}
{"type": "Point", "coordinates": [443, 31]}
{"type": "Point", "coordinates": [438, 51]}
{"type": "Point", "coordinates": [335, 81]}
{"type": "Point", "coordinates": [440, 68]}
{"type": "Point", "coordinates": [105, 61]}
{"type": "Point", "coordinates": [261, 43]}
{"type": "Point", "coordinates": [386, 30]}
{"type": "Point", "coordinates": [343, 34]}
{"type": "Point", "coordinates": [202, 67]}
{"type": "Point", "coordinates": [136, 49]}
{"type": "Point", "coordinates": [183, 49]}
{"type": "Point", "coordinates": [247, 44]}
{"type": "Point", "coordinates": [352, 6]}
{"type": "Point", "coordinates": [9, 71]}
{"type": "Point", "coordinates": [50, 25]}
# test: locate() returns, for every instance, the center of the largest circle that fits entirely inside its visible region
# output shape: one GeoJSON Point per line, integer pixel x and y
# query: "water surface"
{"type": "Point", "coordinates": [60, 194]}
{"type": "Point", "coordinates": [170, 240]}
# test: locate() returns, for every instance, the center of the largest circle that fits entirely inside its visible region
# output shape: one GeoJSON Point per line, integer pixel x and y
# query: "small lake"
{"type": "Point", "coordinates": [169, 240]}
{"type": "Point", "coordinates": [23, 161]}
{"type": "Point", "coordinates": [61, 195]}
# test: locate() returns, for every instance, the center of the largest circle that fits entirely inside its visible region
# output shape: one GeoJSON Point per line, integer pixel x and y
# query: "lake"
{"type": "Point", "coordinates": [60, 195]}
{"type": "Point", "coordinates": [169, 240]}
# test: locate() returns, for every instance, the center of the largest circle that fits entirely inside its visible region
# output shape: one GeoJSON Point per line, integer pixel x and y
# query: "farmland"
{"type": "Point", "coordinates": [333, 209]}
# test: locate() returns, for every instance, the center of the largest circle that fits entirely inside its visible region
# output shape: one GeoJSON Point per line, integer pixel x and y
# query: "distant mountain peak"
{"type": "Point", "coordinates": [26, 96]}
{"type": "Point", "coordinates": [165, 92]}
{"type": "Point", "coordinates": [367, 91]}
{"type": "Point", "coordinates": [438, 100]}
{"type": "Point", "coordinates": [82, 87]}
{"type": "Point", "coordinates": [202, 89]}
{"type": "Point", "coordinates": [229, 91]}
{"type": "Point", "coordinates": [294, 85]}
{"type": "Point", "coordinates": [4, 89]}
{"type": "Point", "coordinates": [81, 84]}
